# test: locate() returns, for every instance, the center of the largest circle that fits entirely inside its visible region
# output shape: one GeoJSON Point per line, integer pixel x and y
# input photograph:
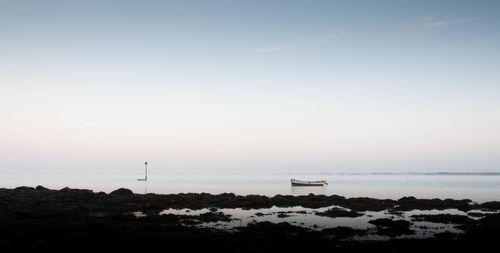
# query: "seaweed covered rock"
{"type": "Point", "coordinates": [343, 232]}
{"type": "Point", "coordinates": [122, 192]}
{"type": "Point", "coordinates": [392, 228]}
{"type": "Point", "coordinates": [339, 212]}
{"type": "Point", "coordinates": [412, 203]}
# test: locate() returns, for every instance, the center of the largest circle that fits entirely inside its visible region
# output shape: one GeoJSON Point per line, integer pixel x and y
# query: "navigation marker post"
{"type": "Point", "coordinates": [145, 172]}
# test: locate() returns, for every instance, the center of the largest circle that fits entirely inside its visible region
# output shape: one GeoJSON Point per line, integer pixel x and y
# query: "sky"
{"type": "Point", "coordinates": [90, 87]}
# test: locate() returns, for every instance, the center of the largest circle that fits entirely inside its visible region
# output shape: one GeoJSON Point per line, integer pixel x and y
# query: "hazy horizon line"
{"type": "Point", "coordinates": [388, 173]}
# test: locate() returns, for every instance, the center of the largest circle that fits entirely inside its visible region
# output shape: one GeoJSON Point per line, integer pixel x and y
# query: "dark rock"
{"type": "Point", "coordinates": [392, 228]}
{"type": "Point", "coordinates": [444, 218]}
{"type": "Point", "coordinates": [411, 203]}
{"type": "Point", "coordinates": [122, 192]}
{"type": "Point", "coordinates": [214, 217]}
{"type": "Point", "coordinates": [24, 188]}
{"type": "Point", "coordinates": [339, 212]}
{"type": "Point", "coordinates": [190, 222]}
{"type": "Point", "coordinates": [65, 189]}
{"type": "Point", "coordinates": [368, 204]}
{"type": "Point", "coordinates": [343, 232]}
{"type": "Point", "coordinates": [272, 228]}
{"type": "Point", "coordinates": [490, 206]}
{"type": "Point", "coordinates": [41, 188]}
{"type": "Point", "coordinates": [283, 215]}
{"type": "Point", "coordinates": [475, 214]}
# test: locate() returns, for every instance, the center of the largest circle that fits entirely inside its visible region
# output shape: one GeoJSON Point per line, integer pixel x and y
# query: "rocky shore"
{"type": "Point", "coordinates": [41, 219]}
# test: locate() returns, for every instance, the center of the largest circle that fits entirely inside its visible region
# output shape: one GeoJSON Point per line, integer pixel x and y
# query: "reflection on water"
{"type": "Point", "coordinates": [145, 186]}
{"type": "Point", "coordinates": [304, 190]}
{"type": "Point", "coordinates": [311, 219]}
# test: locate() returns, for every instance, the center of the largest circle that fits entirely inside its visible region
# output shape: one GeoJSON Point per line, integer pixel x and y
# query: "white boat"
{"type": "Point", "coordinates": [308, 183]}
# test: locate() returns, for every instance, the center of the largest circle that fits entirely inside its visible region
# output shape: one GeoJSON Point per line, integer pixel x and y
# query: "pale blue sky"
{"type": "Point", "coordinates": [249, 86]}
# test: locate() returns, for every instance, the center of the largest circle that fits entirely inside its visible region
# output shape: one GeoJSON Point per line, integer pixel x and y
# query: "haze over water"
{"type": "Point", "coordinates": [478, 187]}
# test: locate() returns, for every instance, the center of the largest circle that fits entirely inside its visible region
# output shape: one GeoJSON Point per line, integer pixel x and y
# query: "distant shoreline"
{"type": "Point", "coordinates": [409, 173]}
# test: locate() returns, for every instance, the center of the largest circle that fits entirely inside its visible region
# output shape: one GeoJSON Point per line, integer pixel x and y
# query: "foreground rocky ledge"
{"type": "Point", "coordinates": [80, 220]}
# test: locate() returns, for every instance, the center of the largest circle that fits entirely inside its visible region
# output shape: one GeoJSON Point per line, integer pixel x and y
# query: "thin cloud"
{"type": "Point", "coordinates": [393, 26]}
{"type": "Point", "coordinates": [431, 22]}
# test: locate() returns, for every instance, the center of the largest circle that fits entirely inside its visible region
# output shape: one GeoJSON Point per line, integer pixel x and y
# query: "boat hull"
{"type": "Point", "coordinates": [308, 183]}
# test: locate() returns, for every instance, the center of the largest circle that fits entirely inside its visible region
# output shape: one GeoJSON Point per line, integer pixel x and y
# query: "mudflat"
{"type": "Point", "coordinates": [41, 219]}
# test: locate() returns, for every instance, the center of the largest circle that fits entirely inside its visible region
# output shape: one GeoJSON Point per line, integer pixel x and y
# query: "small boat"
{"type": "Point", "coordinates": [308, 183]}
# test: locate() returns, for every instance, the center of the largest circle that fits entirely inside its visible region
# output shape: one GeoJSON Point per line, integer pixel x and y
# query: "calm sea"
{"type": "Point", "coordinates": [478, 187]}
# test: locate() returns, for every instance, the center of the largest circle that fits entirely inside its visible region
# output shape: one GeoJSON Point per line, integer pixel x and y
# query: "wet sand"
{"type": "Point", "coordinates": [40, 219]}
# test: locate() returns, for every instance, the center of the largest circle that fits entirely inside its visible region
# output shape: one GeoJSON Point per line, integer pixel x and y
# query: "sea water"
{"type": "Point", "coordinates": [477, 187]}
